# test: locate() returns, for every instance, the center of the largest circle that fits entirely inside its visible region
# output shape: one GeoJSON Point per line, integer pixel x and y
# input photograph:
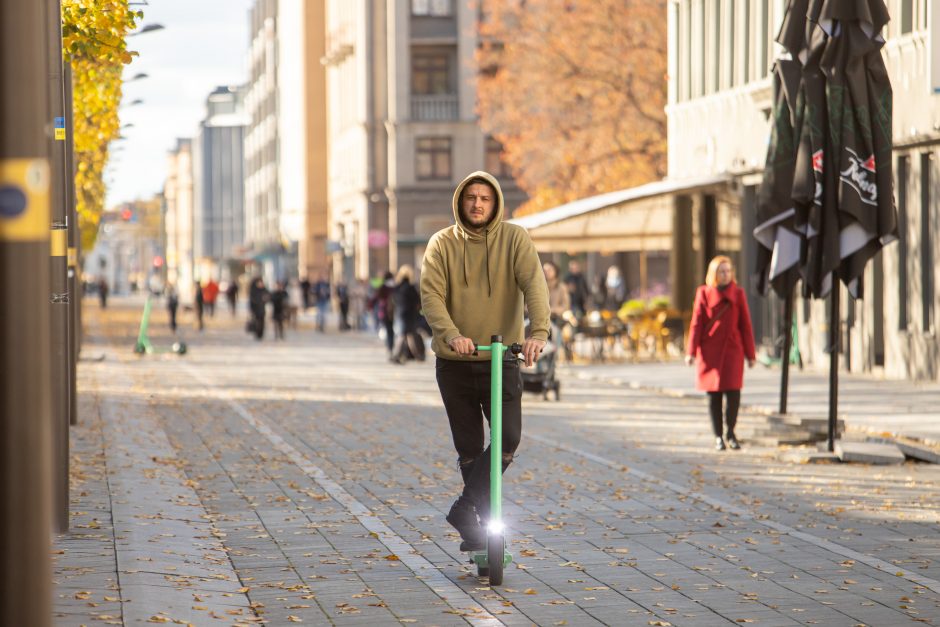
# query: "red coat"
{"type": "Point", "coordinates": [720, 337]}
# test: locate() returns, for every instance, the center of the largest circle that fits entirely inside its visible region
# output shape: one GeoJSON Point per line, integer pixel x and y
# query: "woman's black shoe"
{"type": "Point", "coordinates": [733, 443]}
{"type": "Point", "coordinates": [719, 444]}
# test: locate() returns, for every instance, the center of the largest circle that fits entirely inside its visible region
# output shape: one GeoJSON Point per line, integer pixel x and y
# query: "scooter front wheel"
{"type": "Point", "coordinates": [495, 547]}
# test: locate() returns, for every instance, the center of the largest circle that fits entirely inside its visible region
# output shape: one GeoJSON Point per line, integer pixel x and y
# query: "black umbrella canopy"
{"type": "Point", "coordinates": [859, 102]}
{"type": "Point", "coordinates": [780, 242]}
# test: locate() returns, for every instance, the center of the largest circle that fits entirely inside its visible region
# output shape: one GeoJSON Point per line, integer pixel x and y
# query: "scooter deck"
{"type": "Point", "coordinates": [480, 559]}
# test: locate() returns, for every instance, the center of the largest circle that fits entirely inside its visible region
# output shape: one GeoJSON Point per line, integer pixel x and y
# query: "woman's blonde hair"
{"type": "Point", "coordinates": [405, 272]}
{"type": "Point", "coordinates": [711, 277]}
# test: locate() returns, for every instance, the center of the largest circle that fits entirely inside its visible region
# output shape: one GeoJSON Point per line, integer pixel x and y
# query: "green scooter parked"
{"type": "Point", "coordinates": [495, 557]}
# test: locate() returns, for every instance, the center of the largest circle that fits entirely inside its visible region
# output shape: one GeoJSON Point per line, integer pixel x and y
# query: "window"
{"type": "Point", "coordinates": [763, 46]}
{"type": "Point", "coordinates": [903, 173]}
{"type": "Point", "coordinates": [907, 16]}
{"type": "Point", "coordinates": [433, 159]}
{"type": "Point", "coordinates": [714, 64]}
{"type": "Point", "coordinates": [493, 162]}
{"type": "Point", "coordinates": [432, 8]}
{"type": "Point", "coordinates": [430, 74]}
{"type": "Point", "coordinates": [926, 249]}
{"type": "Point", "coordinates": [686, 57]}
{"type": "Point", "coordinates": [730, 34]}
{"type": "Point", "coordinates": [746, 40]}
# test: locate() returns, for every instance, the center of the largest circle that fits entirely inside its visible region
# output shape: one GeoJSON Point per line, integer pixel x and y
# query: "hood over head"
{"type": "Point", "coordinates": [498, 216]}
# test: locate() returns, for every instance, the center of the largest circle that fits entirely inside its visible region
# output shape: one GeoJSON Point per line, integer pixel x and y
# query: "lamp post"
{"type": "Point", "coordinates": [25, 349]}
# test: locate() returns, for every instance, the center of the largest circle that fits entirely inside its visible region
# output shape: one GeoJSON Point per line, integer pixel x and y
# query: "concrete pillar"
{"type": "Point", "coordinates": [682, 276]}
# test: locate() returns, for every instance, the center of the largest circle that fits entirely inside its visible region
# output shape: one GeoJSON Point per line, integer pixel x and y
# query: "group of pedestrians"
{"type": "Point", "coordinates": [258, 298]}
{"type": "Point", "coordinates": [205, 295]}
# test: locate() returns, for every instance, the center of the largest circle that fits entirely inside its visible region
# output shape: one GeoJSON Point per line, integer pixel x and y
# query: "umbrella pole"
{"type": "Point", "coordinates": [787, 341]}
{"type": "Point", "coordinates": [835, 345]}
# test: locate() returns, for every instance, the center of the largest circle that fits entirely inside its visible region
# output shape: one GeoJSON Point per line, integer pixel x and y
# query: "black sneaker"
{"type": "Point", "coordinates": [733, 443]}
{"type": "Point", "coordinates": [463, 517]}
{"type": "Point", "coordinates": [719, 444]}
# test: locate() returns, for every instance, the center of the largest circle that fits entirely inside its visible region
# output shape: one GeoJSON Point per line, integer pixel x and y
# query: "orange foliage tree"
{"type": "Point", "coordinates": [575, 91]}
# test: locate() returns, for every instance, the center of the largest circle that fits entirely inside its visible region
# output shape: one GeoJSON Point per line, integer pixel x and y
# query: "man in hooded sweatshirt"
{"type": "Point", "coordinates": [478, 277]}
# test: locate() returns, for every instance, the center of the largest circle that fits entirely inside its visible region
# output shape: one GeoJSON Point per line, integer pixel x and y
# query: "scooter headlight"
{"type": "Point", "coordinates": [495, 527]}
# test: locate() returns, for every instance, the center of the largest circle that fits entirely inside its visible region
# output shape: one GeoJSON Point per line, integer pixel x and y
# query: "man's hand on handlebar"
{"type": "Point", "coordinates": [531, 350]}
{"type": "Point", "coordinates": [463, 345]}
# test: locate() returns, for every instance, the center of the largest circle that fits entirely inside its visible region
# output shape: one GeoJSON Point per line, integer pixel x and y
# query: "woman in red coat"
{"type": "Point", "coordinates": [720, 339]}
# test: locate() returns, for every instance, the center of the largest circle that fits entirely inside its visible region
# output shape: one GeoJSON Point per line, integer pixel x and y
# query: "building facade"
{"type": "Point", "coordinates": [218, 185]}
{"type": "Point", "coordinates": [403, 130]}
{"type": "Point", "coordinates": [178, 219]}
{"type": "Point", "coordinates": [720, 56]}
{"type": "Point", "coordinates": [285, 145]}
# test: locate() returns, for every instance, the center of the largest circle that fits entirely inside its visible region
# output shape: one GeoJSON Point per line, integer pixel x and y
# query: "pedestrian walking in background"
{"type": "Point", "coordinates": [294, 302]}
{"type": "Point", "coordinates": [477, 279]}
{"type": "Point", "coordinates": [578, 291]}
{"type": "Point", "coordinates": [383, 303]}
{"type": "Point", "coordinates": [358, 297]}
{"type": "Point", "coordinates": [257, 302]}
{"type": "Point", "coordinates": [279, 306]}
{"type": "Point", "coordinates": [559, 298]}
{"type": "Point", "coordinates": [172, 305]}
{"type": "Point", "coordinates": [199, 305]}
{"type": "Point", "coordinates": [103, 292]}
{"type": "Point", "coordinates": [322, 297]}
{"type": "Point", "coordinates": [231, 293]}
{"type": "Point", "coordinates": [612, 290]}
{"type": "Point", "coordinates": [720, 339]}
{"type": "Point", "coordinates": [410, 345]}
{"type": "Point", "coordinates": [210, 292]}
{"type": "Point", "coordinates": [342, 299]}
{"type": "Point", "coordinates": [305, 293]}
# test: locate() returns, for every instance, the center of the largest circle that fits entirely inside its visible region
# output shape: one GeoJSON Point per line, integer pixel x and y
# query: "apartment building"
{"type": "Point", "coordinates": [178, 219]}
{"type": "Point", "coordinates": [403, 129]}
{"type": "Point", "coordinates": [285, 144]}
{"type": "Point", "coordinates": [219, 185]}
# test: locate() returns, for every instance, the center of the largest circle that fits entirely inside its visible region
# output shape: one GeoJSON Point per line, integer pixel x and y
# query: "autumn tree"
{"type": "Point", "coordinates": [575, 91]}
{"type": "Point", "coordinates": [93, 36]}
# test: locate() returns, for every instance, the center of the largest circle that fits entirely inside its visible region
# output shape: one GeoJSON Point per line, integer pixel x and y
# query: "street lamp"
{"type": "Point", "coordinates": [149, 28]}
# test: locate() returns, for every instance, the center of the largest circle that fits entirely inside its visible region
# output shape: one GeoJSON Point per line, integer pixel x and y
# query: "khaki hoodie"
{"type": "Point", "coordinates": [478, 285]}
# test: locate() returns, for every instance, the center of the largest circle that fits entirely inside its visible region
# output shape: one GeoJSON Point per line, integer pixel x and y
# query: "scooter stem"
{"type": "Point", "coordinates": [497, 350]}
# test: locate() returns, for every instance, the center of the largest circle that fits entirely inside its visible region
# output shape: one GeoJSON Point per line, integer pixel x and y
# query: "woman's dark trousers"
{"type": "Point", "coordinates": [731, 411]}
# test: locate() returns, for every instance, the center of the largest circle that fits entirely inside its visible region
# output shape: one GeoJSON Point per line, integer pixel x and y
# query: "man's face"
{"type": "Point", "coordinates": [477, 204]}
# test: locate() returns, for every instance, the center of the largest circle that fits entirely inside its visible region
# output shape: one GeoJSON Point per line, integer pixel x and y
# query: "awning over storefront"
{"type": "Point", "coordinates": [635, 219]}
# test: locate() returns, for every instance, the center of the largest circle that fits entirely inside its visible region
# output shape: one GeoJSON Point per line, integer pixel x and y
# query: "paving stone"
{"type": "Point", "coordinates": [868, 452]}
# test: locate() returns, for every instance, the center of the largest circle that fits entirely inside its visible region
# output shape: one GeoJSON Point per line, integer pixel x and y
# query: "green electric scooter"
{"type": "Point", "coordinates": [495, 557]}
{"type": "Point", "coordinates": [144, 346]}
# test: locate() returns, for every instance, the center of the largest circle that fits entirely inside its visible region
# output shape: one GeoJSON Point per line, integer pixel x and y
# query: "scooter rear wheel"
{"type": "Point", "coordinates": [495, 547]}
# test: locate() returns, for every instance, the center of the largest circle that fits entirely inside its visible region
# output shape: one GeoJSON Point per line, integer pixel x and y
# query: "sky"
{"type": "Point", "coordinates": [204, 45]}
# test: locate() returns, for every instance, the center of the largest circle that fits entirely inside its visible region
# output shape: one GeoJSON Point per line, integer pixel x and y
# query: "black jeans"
{"type": "Point", "coordinates": [465, 389]}
{"type": "Point", "coordinates": [731, 413]}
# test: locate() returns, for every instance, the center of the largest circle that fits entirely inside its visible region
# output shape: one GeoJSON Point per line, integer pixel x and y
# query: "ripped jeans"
{"type": "Point", "coordinates": [465, 389]}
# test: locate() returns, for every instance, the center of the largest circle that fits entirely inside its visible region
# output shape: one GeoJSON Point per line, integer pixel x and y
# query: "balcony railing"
{"type": "Point", "coordinates": [439, 107]}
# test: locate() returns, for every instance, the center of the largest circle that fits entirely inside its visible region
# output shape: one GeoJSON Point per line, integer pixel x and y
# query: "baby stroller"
{"type": "Point", "coordinates": [540, 378]}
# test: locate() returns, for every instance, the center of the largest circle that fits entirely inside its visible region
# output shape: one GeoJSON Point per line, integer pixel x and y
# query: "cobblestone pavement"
{"type": "Point", "coordinates": [867, 403]}
{"type": "Point", "coordinates": [307, 482]}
